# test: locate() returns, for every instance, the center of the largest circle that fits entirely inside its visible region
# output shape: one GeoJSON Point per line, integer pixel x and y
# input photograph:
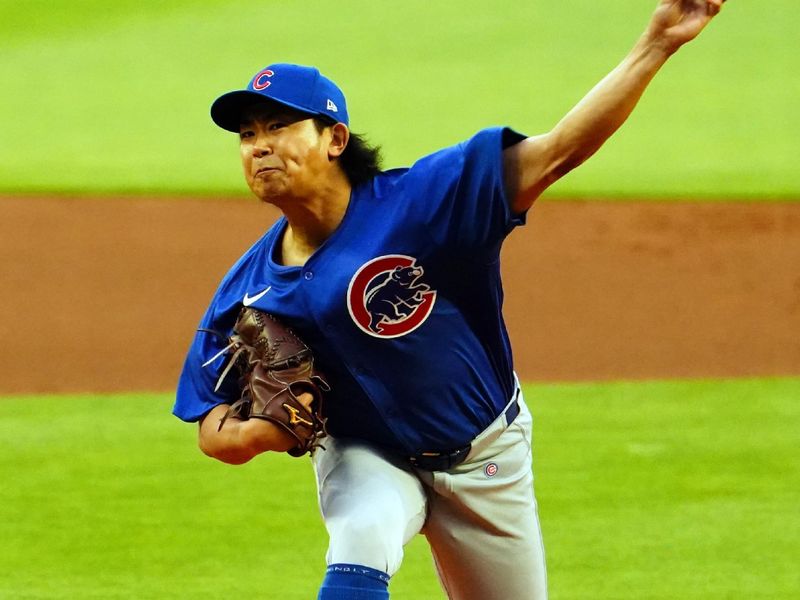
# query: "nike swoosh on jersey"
{"type": "Point", "coordinates": [248, 300]}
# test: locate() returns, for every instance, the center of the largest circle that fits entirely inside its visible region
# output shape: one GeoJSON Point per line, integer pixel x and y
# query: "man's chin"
{"type": "Point", "coordinates": [265, 193]}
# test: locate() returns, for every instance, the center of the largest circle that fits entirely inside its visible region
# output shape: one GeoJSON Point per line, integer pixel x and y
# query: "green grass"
{"type": "Point", "coordinates": [647, 490]}
{"type": "Point", "coordinates": [113, 97]}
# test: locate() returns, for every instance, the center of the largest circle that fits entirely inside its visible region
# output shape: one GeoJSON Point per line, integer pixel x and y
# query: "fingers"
{"type": "Point", "coordinates": [306, 399]}
{"type": "Point", "coordinates": [713, 6]}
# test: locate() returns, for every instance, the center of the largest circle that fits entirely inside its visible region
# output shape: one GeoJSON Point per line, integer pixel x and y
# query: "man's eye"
{"type": "Point", "coordinates": [276, 125]}
{"type": "Point", "coordinates": [245, 134]}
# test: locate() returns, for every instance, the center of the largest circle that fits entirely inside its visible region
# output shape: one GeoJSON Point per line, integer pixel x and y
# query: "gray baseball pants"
{"type": "Point", "coordinates": [480, 518]}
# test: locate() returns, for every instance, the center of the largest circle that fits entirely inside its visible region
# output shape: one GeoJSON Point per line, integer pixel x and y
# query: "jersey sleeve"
{"type": "Point", "coordinates": [459, 193]}
{"type": "Point", "coordinates": [195, 395]}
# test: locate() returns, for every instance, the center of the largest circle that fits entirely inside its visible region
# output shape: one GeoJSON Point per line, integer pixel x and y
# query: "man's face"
{"type": "Point", "coordinates": [284, 156]}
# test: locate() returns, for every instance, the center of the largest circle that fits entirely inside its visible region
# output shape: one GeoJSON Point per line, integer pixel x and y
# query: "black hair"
{"type": "Point", "coordinates": [360, 160]}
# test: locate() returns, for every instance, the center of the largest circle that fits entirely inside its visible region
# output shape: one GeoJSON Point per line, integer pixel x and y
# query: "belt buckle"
{"type": "Point", "coordinates": [440, 461]}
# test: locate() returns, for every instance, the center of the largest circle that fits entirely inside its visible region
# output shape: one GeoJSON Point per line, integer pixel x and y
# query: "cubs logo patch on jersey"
{"type": "Point", "coordinates": [387, 296]}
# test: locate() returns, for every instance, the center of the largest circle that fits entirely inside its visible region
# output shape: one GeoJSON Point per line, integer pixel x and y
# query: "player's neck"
{"type": "Point", "coordinates": [311, 222]}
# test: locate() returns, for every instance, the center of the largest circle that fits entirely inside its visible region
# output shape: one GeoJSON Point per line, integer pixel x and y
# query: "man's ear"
{"type": "Point", "coordinates": [340, 135]}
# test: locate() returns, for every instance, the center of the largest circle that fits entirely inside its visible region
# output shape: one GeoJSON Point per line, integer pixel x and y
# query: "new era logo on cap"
{"type": "Point", "coordinates": [299, 87]}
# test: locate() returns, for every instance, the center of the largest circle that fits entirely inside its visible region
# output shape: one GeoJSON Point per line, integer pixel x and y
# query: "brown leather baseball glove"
{"type": "Point", "coordinates": [275, 367]}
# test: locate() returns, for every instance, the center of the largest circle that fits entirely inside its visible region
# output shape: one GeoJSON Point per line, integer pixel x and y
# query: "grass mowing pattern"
{"type": "Point", "coordinates": [118, 93]}
{"type": "Point", "coordinates": [670, 489]}
{"type": "Point", "coordinates": [646, 490]}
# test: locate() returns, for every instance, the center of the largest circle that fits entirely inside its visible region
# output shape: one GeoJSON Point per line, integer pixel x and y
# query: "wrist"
{"type": "Point", "coordinates": [654, 49]}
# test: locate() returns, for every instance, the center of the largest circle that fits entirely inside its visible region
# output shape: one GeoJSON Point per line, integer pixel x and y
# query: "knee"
{"type": "Point", "coordinates": [371, 538]}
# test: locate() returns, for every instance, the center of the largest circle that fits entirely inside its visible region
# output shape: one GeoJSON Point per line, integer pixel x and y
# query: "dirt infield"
{"type": "Point", "coordinates": [105, 295]}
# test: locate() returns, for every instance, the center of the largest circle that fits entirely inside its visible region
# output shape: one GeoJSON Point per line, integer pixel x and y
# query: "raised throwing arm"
{"type": "Point", "coordinates": [537, 162]}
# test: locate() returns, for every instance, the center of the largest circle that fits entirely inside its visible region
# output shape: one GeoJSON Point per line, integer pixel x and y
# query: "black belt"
{"type": "Point", "coordinates": [444, 461]}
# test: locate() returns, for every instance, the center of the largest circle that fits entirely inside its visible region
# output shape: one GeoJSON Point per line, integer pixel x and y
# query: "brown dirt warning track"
{"type": "Point", "coordinates": [104, 295]}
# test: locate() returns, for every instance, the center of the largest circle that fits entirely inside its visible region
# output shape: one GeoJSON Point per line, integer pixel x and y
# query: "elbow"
{"type": "Point", "coordinates": [240, 441]}
{"type": "Point", "coordinates": [229, 456]}
{"type": "Point", "coordinates": [216, 447]}
{"type": "Point", "coordinates": [229, 445]}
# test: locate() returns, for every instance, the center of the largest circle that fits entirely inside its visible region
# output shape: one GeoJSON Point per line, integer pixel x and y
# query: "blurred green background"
{"type": "Point", "coordinates": [113, 96]}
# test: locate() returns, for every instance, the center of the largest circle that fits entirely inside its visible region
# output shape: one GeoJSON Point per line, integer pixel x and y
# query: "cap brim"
{"type": "Point", "coordinates": [227, 110]}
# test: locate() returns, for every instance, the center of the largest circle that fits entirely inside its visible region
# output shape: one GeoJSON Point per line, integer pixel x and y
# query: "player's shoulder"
{"type": "Point", "coordinates": [450, 160]}
{"type": "Point", "coordinates": [489, 140]}
{"type": "Point", "coordinates": [430, 167]}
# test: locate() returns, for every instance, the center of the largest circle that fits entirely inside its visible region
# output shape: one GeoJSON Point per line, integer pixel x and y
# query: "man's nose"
{"type": "Point", "coordinates": [262, 147]}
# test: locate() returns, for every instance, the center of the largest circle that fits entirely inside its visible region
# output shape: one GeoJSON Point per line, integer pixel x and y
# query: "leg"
{"type": "Point", "coordinates": [371, 505]}
{"type": "Point", "coordinates": [483, 525]}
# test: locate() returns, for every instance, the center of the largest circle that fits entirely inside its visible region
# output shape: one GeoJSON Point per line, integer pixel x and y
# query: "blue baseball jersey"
{"type": "Point", "coordinates": [401, 305]}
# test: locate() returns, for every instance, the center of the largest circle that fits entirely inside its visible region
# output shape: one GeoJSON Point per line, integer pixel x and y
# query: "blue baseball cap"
{"type": "Point", "coordinates": [296, 86]}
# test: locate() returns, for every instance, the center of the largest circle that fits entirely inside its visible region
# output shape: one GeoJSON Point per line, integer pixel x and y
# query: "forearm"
{"type": "Point", "coordinates": [605, 108]}
{"type": "Point", "coordinates": [537, 162]}
{"type": "Point", "coordinates": [237, 442]}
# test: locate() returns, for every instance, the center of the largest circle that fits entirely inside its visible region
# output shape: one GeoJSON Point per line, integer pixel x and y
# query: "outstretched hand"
{"type": "Point", "coordinates": [676, 22]}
